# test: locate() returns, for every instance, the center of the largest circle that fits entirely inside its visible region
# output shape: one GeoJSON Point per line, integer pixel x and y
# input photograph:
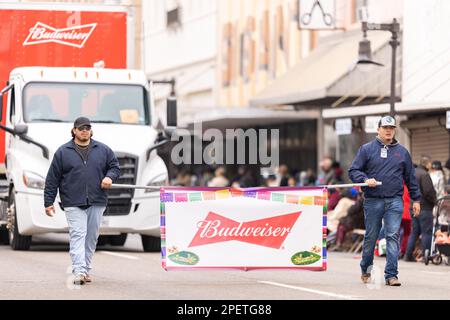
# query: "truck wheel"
{"type": "Point", "coordinates": [151, 244]}
{"type": "Point", "coordinates": [4, 236]}
{"type": "Point", "coordinates": [102, 241]}
{"type": "Point", "coordinates": [118, 240]}
{"type": "Point", "coordinates": [17, 241]}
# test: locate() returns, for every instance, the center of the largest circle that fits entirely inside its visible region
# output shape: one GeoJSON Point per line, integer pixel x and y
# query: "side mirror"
{"type": "Point", "coordinates": [171, 116]}
{"type": "Point", "coordinates": [21, 129]}
{"type": "Point", "coordinates": [171, 112]}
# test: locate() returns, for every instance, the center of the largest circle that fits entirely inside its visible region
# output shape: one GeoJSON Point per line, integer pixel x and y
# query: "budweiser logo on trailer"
{"type": "Point", "coordinates": [269, 232]}
{"type": "Point", "coordinates": [72, 36]}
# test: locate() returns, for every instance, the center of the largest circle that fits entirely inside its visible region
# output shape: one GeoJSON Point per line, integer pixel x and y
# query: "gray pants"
{"type": "Point", "coordinates": [84, 228]}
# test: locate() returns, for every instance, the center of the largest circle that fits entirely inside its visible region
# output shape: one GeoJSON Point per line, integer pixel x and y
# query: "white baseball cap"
{"type": "Point", "coordinates": [387, 121]}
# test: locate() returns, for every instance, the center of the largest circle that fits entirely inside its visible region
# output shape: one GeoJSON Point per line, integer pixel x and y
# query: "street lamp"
{"type": "Point", "coordinates": [365, 53]}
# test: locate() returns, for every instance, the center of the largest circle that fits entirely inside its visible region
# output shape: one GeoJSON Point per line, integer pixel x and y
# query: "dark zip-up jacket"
{"type": "Point", "coordinates": [391, 171]}
{"type": "Point", "coordinates": [79, 181]}
{"type": "Point", "coordinates": [426, 188]}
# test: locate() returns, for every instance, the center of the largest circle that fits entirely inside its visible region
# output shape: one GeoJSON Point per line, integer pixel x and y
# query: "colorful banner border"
{"type": "Point", "coordinates": [193, 194]}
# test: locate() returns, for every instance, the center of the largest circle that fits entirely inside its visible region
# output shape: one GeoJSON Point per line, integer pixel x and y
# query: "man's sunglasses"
{"type": "Point", "coordinates": [85, 127]}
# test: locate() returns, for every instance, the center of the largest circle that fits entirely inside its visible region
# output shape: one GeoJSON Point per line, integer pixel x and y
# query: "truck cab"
{"type": "Point", "coordinates": [42, 104]}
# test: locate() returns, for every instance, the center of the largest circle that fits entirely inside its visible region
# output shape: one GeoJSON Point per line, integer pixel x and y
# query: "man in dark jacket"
{"type": "Point", "coordinates": [385, 160]}
{"type": "Point", "coordinates": [81, 169]}
{"type": "Point", "coordinates": [423, 222]}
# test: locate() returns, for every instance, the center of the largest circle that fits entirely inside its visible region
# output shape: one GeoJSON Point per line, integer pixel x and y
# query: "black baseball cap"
{"type": "Point", "coordinates": [81, 121]}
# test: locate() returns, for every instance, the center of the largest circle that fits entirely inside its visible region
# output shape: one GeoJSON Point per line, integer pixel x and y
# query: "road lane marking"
{"type": "Point", "coordinates": [435, 273]}
{"type": "Point", "coordinates": [324, 293]}
{"type": "Point", "coordinates": [121, 255]}
{"type": "Point", "coordinates": [23, 281]}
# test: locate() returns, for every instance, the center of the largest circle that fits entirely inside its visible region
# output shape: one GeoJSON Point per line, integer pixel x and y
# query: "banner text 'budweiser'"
{"type": "Point", "coordinates": [269, 232]}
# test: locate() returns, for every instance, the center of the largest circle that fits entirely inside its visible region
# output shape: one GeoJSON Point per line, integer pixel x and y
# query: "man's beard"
{"type": "Point", "coordinates": [83, 139]}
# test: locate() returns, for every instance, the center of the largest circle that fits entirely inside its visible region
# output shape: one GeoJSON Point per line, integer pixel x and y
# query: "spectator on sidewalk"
{"type": "Point", "coordinates": [353, 220]}
{"type": "Point", "coordinates": [423, 221]}
{"type": "Point", "coordinates": [337, 173]}
{"type": "Point", "coordinates": [283, 175]}
{"type": "Point", "coordinates": [341, 209]}
{"type": "Point", "coordinates": [206, 175]}
{"type": "Point", "coordinates": [271, 181]}
{"type": "Point", "coordinates": [334, 195]}
{"type": "Point", "coordinates": [183, 178]}
{"type": "Point", "coordinates": [447, 171]}
{"type": "Point", "coordinates": [248, 180]}
{"type": "Point", "coordinates": [236, 181]}
{"type": "Point", "coordinates": [292, 182]}
{"type": "Point", "coordinates": [405, 226]}
{"type": "Point", "coordinates": [438, 178]}
{"type": "Point", "coordinates": [306, 178]}
{"type": "Point", "coordinates": [326, 173]}
{"type": "Point", "coordinates": [220, 180]}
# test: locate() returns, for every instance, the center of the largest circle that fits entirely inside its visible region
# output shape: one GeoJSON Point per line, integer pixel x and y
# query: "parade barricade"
{"type": "Point", "coordinates": [281, 228]}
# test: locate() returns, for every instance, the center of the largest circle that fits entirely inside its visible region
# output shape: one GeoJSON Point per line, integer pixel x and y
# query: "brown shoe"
{"type": "Point", "coordinates": [79, 280]}
{"type": "Point", "coordinates": [87, 278]}
{"type": "Point", "coordinates": [365, 277]}
{"type": "Point", "coordinates": [393, 282]}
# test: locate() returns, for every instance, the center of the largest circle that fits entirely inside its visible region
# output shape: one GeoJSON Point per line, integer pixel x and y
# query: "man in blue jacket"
{"type": "Point", "coordinates": [81, 169]}
{"type": "Point", "coordinates": [385, 160]}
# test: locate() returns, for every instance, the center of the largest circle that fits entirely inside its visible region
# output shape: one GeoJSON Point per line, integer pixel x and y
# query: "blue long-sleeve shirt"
{"type": "Point", "coordinates": [392, 170]}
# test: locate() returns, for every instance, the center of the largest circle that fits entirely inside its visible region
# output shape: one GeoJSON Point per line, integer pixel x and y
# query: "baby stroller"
{"type": "Point", "coordinates": [440, 244]}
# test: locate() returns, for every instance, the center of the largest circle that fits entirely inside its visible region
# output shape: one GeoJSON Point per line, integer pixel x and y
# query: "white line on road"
{"type": "Point", "coordinates": [436, 273]}
{"type": "Point", "coordinates": [121, 255]}
{"type": "Point", "coordinates": [22, 281]}
{"type": "Point", "coordinates": [324, 293]}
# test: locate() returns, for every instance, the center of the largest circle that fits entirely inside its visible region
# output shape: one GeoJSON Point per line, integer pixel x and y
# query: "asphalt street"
{"type": "Point", "coordinates": [129, 273]}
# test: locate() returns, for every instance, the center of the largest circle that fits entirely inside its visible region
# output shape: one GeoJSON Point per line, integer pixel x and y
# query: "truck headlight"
{"type": "Point", "coordinates": [159, 183]}
{"type": "Point", "coordinates": [33, 180]}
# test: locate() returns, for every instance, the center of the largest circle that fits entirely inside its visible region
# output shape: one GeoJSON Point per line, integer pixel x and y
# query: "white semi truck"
{"type": "Point", "coordinates": [47, 54]}
{"type": "Point", "coordinates": [42, 103]}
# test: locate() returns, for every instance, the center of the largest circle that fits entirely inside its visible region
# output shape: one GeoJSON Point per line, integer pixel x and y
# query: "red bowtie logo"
{"type": "Point", "coordinates": [268, 232]}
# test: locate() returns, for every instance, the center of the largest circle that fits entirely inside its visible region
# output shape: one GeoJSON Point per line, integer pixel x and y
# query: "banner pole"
{"type": "Point", "coordinates": [132, 186]}
{"type": "Point", "coordinates": [348, 185]}
{"type": "Point", "coordinates": [330, 186]}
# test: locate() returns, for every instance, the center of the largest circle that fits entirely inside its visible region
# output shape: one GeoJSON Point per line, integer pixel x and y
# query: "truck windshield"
{"type": "Point", "coordinates": [103, 103]}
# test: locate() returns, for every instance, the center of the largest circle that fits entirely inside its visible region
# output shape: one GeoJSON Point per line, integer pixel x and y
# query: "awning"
{"type": "Point", "coordinates": [424, 107]}
{"type": "Point", "coordinates": [345, 112]}
{"type": "Point", "coordinates": [329, 72]}
{"type": "Point", "coordinates": [401, 108]}
{"type": "Point", "coordinates": [222, 118]}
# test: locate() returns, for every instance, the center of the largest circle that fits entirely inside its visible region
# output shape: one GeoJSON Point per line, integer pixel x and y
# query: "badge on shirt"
{"type": "Point", "coordinates": [383, 152]}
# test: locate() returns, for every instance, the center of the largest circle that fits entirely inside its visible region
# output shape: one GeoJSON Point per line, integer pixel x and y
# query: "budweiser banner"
{"type": "Point", "coordinates": [243, 228]}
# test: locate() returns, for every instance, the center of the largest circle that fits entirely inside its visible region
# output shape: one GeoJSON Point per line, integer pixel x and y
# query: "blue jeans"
{"type": "Point", "coordinates": [84, 226]}
{"type": "Point", "coordinates": [375, 210]}
{"type": "Point", "coordinates": [423, 226]}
